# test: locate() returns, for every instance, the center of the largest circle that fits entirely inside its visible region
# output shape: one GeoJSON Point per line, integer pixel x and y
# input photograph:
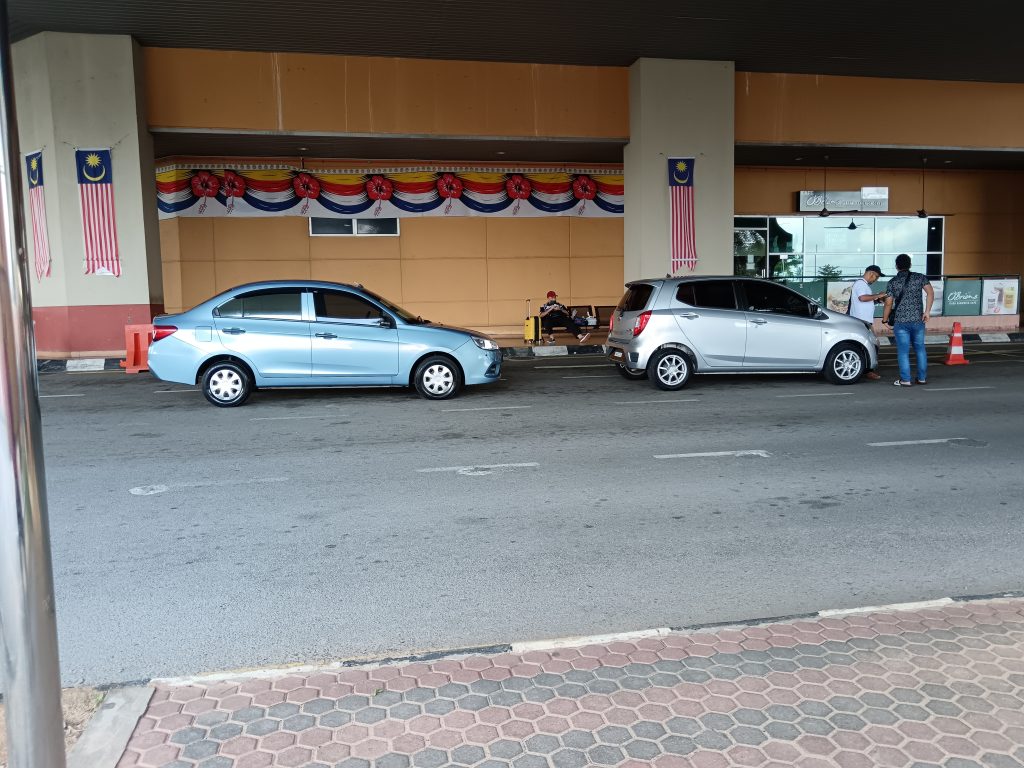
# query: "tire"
{"type": "Point", "coordinates": [226, 384]}
{"type": "Point", "coordinates": [437, 378]}
{"type": "Point", "coordinates": [669, 369]}
{"type": "Point", "coordinates": [845, 364]}
{"type": "Point", "coordinates": [630, 373]}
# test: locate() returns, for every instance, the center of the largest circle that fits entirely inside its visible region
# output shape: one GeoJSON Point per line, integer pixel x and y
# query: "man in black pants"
{"type": "Point", "coordinates": [553, 315]}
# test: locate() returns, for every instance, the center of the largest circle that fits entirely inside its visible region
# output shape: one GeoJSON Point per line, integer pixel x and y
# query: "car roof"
{"type": "Point", "coordinates": [699, 278]}
{"type": "Point", "coordinates": [263, 284]}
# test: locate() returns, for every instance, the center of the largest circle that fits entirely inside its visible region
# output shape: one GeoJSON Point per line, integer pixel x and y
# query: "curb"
{"type": "Point", "coordinates": [101, 364]}
{"type": "Point", "coordinates": [106, 736]}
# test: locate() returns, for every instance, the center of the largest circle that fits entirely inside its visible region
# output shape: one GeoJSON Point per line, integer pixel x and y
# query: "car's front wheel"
{"type": "Point", "coordinates": [630, 373]}
{"type": "Point", "coordinates": [669, 369]}
{"type": "Point", "coordinates": [226, 384]}
{"type": "Point", "coordinates": [845, 364]}
{"type": "Point", "coordinates": [436, 378]}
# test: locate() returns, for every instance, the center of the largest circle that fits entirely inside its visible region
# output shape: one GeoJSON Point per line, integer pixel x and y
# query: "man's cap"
{"type": "Point", "coordinates": [903, 261]}
{"type": "Point", "coordinates": [552, 294]}
{"type": "Point", "coordinates": [876, 269]}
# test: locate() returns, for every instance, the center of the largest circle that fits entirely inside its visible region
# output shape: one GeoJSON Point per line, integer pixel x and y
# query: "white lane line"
{"type": "Point", "coordinates": [172, 391]}
{"type": "Point", "coordinates": [554, 367]}
{"type": "Point", "coordinates": [953, 389]}
{"type": "Point", "coordinates": [820, 394]}
{"type": "Point", "coordinates": [921, 605]}
{"type": "Point", "coordinates": [289, 418]}
{"type": "Point", "coordinates": [152, 490]}
{"type": "Point", "coordinates": [79, 395]}
{"type": "Point", "coordinates": [480, 469]}
{"type": "Point", "coordinates": [916, 442]}
{"type": "Point", "coordinates": [712, 454]}
{"type": "Point", "coordinates": [494, 408]}
{"type": "Point", "coordinates": [600, 376]}
{"type": "Point", "coordinates": [654, 402]}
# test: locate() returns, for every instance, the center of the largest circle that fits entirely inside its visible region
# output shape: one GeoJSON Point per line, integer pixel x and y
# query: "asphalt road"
{"type": "Point", "coordinates": [316, 525]}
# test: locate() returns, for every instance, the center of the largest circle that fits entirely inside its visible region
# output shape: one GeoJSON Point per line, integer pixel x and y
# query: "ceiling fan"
{"type": "Point", "coordinates": [852, 226]}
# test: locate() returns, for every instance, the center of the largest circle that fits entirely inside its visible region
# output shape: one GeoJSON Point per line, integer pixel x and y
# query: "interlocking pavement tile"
{"type": "Point", "coordinates": [942, 687]}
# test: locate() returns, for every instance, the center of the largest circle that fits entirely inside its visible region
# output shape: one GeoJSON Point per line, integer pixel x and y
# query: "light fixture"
{"type": "Point", "coordinates": [922, 213]}
{"type": "Point", "coordinates": [500, 152]}
{"type": "Point", "coordinates": [303, 149]}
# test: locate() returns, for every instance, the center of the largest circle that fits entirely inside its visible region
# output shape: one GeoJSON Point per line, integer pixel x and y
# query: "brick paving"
{"type": "Point", "coordinates": [939, 687]}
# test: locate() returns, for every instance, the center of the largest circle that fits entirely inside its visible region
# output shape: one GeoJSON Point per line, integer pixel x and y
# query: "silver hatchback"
{"type": "Point", "coordinates": [668, 329]}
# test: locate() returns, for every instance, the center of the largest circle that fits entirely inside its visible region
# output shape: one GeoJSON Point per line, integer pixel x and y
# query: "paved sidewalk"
{"type": "Point", "coordinates": [937, 687]}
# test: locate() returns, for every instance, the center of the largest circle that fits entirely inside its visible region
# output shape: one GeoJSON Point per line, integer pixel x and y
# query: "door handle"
{"type": "Point", "coordinates": [233, 331]}
{"type": "Point", "coordinates": [759, 321]}
{"type": "Point", "coordinates": [687, 315]}
{"type": "Point", "coordinates": [326, 335]}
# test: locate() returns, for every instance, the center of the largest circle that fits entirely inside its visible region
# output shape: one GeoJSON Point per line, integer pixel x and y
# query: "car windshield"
{"type": "Point", "coordinates": [405, 314]}
{"type": "Point", "coordinates": [636, 297]}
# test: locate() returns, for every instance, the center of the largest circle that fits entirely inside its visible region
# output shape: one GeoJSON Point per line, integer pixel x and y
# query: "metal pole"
{"type": "Point", "coordinates": [28, 624]}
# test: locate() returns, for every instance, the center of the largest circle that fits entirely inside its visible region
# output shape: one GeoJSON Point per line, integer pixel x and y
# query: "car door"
{"type": "Point", "coordinates": [707, 314]}
{"type": "Point", "coordinates": [266, 328]}
{"type": "Point", "coordinates": [782, 332]}
{"type": "Point", "coordinates": [352, 336]}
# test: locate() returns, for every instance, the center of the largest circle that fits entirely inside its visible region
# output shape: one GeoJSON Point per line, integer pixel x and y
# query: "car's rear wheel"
{"type": "Point", "coordinates": [669, 369]}
{"type": "Point", "coordinates": [630, 373]}
{"type": "Point", "coordinates": [226, 384]}
{"type": "Point", "coordinates": [845, 364]}
{"type": "Point", "coordinates": [437, 378]}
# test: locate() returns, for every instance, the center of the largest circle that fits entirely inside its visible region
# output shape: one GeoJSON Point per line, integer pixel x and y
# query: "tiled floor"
{"type": "Point", "coordinates": [940, 687]}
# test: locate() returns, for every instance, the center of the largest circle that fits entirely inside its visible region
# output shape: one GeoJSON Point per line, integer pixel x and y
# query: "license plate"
{"type": "Point", "coordinates": [617, 354]}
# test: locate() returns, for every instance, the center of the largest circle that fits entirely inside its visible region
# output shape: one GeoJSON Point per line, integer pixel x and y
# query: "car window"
{"type": "Point", "coordinates": [766, 297]}
{"type": "Point", "coordinates": [635, 298]}
{"type": "Point", "coordinates": [268, 305]}
{"type": "Point", "coordinates": [342, 305]}
{"type": "Point", "coordinates": [711, 294]}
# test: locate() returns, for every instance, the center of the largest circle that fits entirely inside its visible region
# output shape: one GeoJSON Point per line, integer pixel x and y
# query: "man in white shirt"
{"type": "Point", "coordinates": [862, 301]}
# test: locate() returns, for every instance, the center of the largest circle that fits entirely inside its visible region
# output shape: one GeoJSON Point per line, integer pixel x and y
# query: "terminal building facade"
{"type": "Point", "coordinates": [157, 176]}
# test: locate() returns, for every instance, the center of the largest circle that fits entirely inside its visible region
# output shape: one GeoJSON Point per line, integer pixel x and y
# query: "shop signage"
{"type": "Point", "coordinates": [865, 199]}
{"type": "Point", "coordinates": [962, 297]}
{"type": "Point", "coordinates": [1000, 297]}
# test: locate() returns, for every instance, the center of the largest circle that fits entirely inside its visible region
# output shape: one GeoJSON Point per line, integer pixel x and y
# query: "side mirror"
{"type": "Point", "coordinates": [814, 309]}
{"type": "Point", "coordinates": [386, 322]}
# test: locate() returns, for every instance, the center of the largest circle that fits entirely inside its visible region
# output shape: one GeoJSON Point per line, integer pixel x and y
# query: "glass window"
{"type": "Point", "coordinates": [339, 227]}
{"type": "Point", "coordinates": [710, 294]}
{"type": "Point", "coordinates": [752, 222]}
{"type": "Point", "coordinates": [768, 297]}
{"type": "Point", "coordinates": [786, 234]}
{"type": "Point", "coordinates": [901, 235]}
{"type": "Point", "coordinates": [635, 298]}
{"type": "Point", "coordinates": [750, 251]}
{"type": "Point", "coordinates": [341, 305]}
{"type": "Point", "coordinates": [834, 235]}
{"type": "Point", "coordinates": [268, 305]}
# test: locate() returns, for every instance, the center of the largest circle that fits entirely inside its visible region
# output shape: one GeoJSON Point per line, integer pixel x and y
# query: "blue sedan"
{"type": "Point", "coordinates": [302, 333]}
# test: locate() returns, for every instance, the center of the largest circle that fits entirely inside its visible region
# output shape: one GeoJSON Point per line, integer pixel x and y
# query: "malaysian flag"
{"type": "Point", "coordinates": [96, 187]}
{"type": "Point", "coordinates": [37, 212]}
{"type": "Point", "coordinates": [680, 185]}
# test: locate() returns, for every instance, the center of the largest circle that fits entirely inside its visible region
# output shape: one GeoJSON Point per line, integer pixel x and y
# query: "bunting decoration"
{"type": "Point", "coordinates": [682, 241]}
{"type": "Point", "coordinates": [99, 228]}
{"type": "Point", "coordinates": [388, 192]}
{"type": "Point", "coordinates": [37, 212]}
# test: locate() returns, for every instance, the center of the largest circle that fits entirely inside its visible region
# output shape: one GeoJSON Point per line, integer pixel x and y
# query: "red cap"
{"type": "Point", "coordinates": [552, 294]}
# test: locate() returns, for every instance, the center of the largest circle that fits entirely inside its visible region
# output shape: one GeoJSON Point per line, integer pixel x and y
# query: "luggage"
{"type": "Point", "coordinates": [531, 327]}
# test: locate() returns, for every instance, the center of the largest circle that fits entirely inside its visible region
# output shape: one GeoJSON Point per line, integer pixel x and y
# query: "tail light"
{"type": "Point", "coordinates": [163, 331]}
{"type": "Point", "coordinates": [611, 322]}
{"type": "Point", "coordinates": [641, 322]}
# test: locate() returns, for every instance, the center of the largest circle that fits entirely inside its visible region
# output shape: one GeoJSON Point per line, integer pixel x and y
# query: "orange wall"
{"type": "Point", "coordinates": [984, 231]}
{"type": "Point", "coordinates": [823, 110]}
{"type": "Point", "coordinates": [467, 271]}
{"type": "Point", "coordinates": [190, 88]}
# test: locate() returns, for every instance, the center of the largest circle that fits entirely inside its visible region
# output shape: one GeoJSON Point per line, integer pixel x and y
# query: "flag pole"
{"type": "Point", "coordinates": [29, 665]}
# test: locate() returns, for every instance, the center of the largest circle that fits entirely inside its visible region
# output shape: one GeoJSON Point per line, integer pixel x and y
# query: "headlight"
{"type": "Point", "coordinates": [484, 343]}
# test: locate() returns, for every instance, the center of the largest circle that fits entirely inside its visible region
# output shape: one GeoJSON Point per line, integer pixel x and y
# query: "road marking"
{"type": "Point", "coordinates": [918, 606]}
{"type": "Point", "coordinates": [712, 454]}
{"type": "Point", "coordinates": [654, 402]}
{"type": "Point", "coordinates": [553, 367]}
{"type": "Point", "coordinates": [494, 408]}
{"type": "Point", "coordinates": [79, 395]}
{"type": "Point", "coordinates": [820, 394]}
{"type": "Point", "coordinates": [152, 490]}
{"type": "Point", "coordinates": [600, 376]}
{"type": "Point", "coordinates": [953, 389]}
{"type": "Point", "coordinates": [578, 642]}
{"type": "Point", "coordinates": [289, 418]}
{"type": "Point", "coordinates": [172, 391]}
{"type": "Point", "coordinates": [84, 365]}
{"type": "Point", "coordinates": [916, 442]}
{"type": "Point", "coordinates": [480, 469]}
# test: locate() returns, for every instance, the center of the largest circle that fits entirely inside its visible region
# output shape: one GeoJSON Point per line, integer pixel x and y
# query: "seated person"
{"type": "Point", "coordinates": [554, 314]}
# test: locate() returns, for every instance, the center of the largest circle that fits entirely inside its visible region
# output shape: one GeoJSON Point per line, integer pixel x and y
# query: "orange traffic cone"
{"type": "Point", "coordinates": [955, 355]}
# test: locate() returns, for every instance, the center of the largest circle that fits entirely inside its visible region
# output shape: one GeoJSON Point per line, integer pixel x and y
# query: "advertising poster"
{"type": "Point", "coordinates": [961, 297]}
{"type": "Point", "coordinates": [837, 295]}
{"type": "Point", "coordinates": [1000, 297]}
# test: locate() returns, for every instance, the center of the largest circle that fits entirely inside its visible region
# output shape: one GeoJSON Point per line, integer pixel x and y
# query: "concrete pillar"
{"type": "Point", "coordinates": [679, 109]}
{"type": "Point", "coordinates": [86, 91]}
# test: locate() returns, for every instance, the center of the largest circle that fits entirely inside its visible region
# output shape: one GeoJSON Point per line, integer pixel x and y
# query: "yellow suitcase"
{"type": "Point", "coordinates": [531, 326]}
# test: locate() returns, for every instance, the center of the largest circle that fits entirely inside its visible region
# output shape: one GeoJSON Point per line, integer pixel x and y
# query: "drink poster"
{"type": "Point", "coordinates": [999, 297]}
{"type": "Point", "coordinates": [961, 297]}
